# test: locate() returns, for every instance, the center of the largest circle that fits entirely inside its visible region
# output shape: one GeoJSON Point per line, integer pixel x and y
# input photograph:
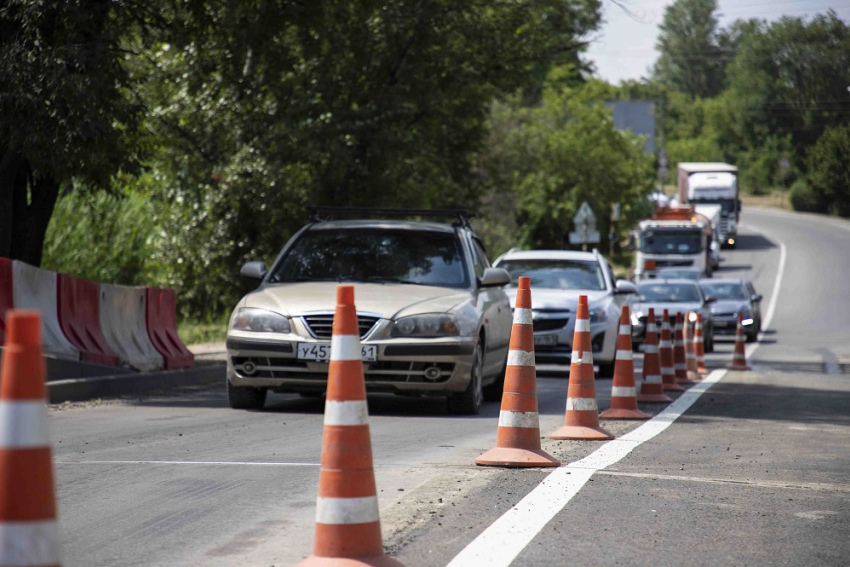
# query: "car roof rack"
{"type": "Point", "coordinates": [319, 214]}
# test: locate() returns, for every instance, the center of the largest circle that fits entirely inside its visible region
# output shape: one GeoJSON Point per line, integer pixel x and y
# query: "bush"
{"type": "Point", "coordinates": [828, 174]}
{"type": "Point", "coordinates": [804, 199]}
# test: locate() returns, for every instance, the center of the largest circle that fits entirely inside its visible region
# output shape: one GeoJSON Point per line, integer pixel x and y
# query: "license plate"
{"type": "Point", "coordinates": [321, 352]}
{"type": "Point", "coordinates": [545, 340]}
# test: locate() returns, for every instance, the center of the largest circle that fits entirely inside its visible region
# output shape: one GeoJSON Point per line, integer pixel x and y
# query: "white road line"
{"type": "Point", "coordinates": [505, 539]}
{"type": "Point", "coordinates": [225, 463]}
{"type": "Point", "coordinates": [774, 294]}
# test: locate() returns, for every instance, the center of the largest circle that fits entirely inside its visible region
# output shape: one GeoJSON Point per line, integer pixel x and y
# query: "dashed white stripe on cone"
{"type": "Point", "coordinates": [581, 404]}
{"type": "Point", "coordinates": [346, 412]}
{"type": "Point", "coordinates": [623, 392]}
{"type": "Point", "coordinates": [585, 358]}
{"type": "Point", "coordinates": [345, 347]}
{"type": "Point", "coordinates": [625, 330]}
{"type": "Point", "coordinates": [582, 326]}
{"type": "Point", "coordinates": [347, 510]}
{"type": "Point", "coordinates": [650, 349]}
{"type": "Point", "coordinates": [23, 544]}
{"type": "Point", "coordinates": [520, 358]}
{"type": "Point", "coordinates": [623, 355]}
{"type": "Point", "coordinates": [23, 425]}
{"type": "Point", "coordinates": [522, 316]}
{"type": "Point", "coordinates": [653, 379]}
{"type": "Point", "coordinates": [519, 419]}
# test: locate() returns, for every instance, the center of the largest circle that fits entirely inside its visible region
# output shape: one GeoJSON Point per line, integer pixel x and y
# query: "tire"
{"type": "Point", "coordinates": [493, 392]}
{"type": "Point", "coordinates": [709, 342]}
{"type": "Point", "coordinates": [311, 395]}
{"type": "Point", "coordinates": [469, 401]}
{"type": "Point", "coordinates": [751, 337]}
{"type": "Point", "coordinates": [606, 369]}
{"type": "Point", "coordinates": [245, 397]}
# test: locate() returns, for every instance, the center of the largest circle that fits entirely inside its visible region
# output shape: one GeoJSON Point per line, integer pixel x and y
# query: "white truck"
{"type": "Point", "coordinates": [713, 183]}
{"type": "Point", "coordinates": [713, 214]}
{"type": "Point", "coordinates": [674, 237]}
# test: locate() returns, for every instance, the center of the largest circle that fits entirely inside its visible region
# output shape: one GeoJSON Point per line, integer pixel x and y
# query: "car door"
{"type": "Point", "coordinates": [497, 314]}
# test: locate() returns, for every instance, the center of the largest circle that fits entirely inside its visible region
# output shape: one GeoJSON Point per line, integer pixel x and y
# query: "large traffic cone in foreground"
{"type": "Point", "coordinates": [690, 349]}
{"type": "Point", "coordinates": [665, 354]}
{"type": "Point", "coordinates": [699, 346]}
{"type": "Point", "coordinates": [28, 528]}
{"type": "Point", "coordinates": [739, 362]}
{"type": "Point", "coordinates": [623, 391]}
{"type": "Point", "coordinates": [518, 436]}
{"type": "Point", "coordinates": [348, 529]}
{"type": "Point", "coordinates": [581, 421]}
{"type": "Point", "coordinates": [680, 360]}
{"type": "Point", "coordinates": [652, 389]}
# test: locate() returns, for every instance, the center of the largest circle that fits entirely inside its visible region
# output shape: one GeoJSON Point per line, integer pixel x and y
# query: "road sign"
{"type": "Point", "coordinates": [585, 223]}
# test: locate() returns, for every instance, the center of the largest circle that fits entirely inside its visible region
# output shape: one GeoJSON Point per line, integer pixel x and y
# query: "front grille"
{"type": "Point", "coordinates": [730, 314]}
{"type": "Point", "coordinates": [380, 371]}
{"type": "Point", "coordinates": [549, 324]}
{"type": "Point", "coordinates": [673, 263]}
{"type": "Point", "coordinates": [321, 326]}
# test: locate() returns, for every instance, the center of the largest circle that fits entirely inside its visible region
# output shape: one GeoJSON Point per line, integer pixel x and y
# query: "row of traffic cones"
{"type": "Point", "coordinates": [348, 530]}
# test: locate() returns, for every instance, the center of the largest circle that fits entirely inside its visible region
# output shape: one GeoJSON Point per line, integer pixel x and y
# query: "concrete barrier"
{"type": "Point", "coordinates": [79, 306]}
{"type": "Point", "coordinates": [34, 288]}
{"type": "Point", "coordinates": [5, 295]}
{"type": "Point", "coordinates": [161, 320]}
{"type": "Point", "coordinates": [122, 321]}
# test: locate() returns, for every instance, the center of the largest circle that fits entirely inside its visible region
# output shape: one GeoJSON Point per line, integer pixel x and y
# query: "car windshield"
{"type": "Point", "coordinates": [671, 241]}
{"type": "Point", "coordinates": [724, 290]}
{"type": "Point", "coordinates": [670, 293]}
{"type": "Point", "coordinates": [379, 255]}
{"type": "Point", "coordinates": [679, 274]}
{"type": "Point", "coordinates": [557, 274]}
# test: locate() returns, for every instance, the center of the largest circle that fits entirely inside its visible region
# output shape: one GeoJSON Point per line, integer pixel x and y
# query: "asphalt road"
{"type": "Point", "coordinates": [756, 472]}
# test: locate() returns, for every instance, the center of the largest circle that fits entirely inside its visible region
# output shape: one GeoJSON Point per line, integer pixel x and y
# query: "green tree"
{"type": "Point", "coordinates": [828, 174]}
{"type": "Point", "coordinates": [692, 52]}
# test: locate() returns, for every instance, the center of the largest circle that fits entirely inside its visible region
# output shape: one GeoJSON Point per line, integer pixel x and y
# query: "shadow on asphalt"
{"type": "Point", "coordinates": [754, 242]}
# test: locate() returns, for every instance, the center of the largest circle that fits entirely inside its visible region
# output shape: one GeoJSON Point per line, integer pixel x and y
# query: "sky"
{"type": "Point", "coordinates": [624, 48]}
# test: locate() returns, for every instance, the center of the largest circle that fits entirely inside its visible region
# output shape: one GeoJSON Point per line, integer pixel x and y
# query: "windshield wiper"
{"type": "Point", "coordinates": [377, 279]}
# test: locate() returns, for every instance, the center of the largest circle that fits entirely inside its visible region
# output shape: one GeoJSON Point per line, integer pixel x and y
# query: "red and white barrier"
{"type": "Point", "coordinates": [161, 319]}
{"type": "Point", "coordinates": [122, 321]}
{"type": "Point", "coordinates": [79, 318]}
{"type": "Point", "coordinates": [34, 288]}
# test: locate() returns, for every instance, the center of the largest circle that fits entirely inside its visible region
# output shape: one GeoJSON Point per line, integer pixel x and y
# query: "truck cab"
{"type": "Point", "coordinates": [673, 237]}
{"type": "Point", "coordinates": [720, 188]}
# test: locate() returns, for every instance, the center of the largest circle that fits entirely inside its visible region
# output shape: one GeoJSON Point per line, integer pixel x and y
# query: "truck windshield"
{"type": "Point", "coordinates": [727, 205]}
{"type": "Point", "coordinates": [671, 241]}
{"type": "Point", "coordinates": [375, 255]}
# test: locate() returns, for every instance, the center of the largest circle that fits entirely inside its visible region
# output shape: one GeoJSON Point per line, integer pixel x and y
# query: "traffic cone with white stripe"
{"type": "Point", "coordinates": [665, 354]}
{"type": "Point", "coordinates": [623, 391]}
{"type": "Point", "coordinates": [699, 346]}
{"type": "Point", "coordinates": [28, 528]}
{"type": "Point", "coordinates": [690, 350]}
{"type": "Point", "coordinates": [739, 362]}
{"type": "Point", "coordinates": [581, 421]}
{"type": "Point", "coordinates": [518, 436]}
{"type": "Point", "coordinates": [652, 389]}
{"type": "Point", "coordinates": [348, 528]}
{"type": "Point", "coordinates": [680, 361]}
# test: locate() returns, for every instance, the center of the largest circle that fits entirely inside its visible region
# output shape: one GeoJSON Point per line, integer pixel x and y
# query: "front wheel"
{"type": "Point", "coordinates": [469, 401]}
{"type": "Point", "coordinates": [493, 391]}
{"type": "Point", "coordinates": [245, 397]}
{"type": "Point", "coordinates": [606, 369]}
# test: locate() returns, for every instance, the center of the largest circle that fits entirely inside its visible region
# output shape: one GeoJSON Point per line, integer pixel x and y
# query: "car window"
{"type": "Point", "coordinates": [557, 274]}
{"type": "Point", "coordinates": [369, 254]}
{"type": "Point", "coordinates": [480, 257]}
{"type": "Point", "coordinates": [733, 291]}
{"type": "Point", "coordinates": [670, 293]}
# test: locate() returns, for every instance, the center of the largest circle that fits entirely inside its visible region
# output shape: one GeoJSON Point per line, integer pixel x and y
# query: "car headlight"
{"type": "Point", "coordinates": [260, 321]}
{"type": "Point", "coordinates": [598, 315]}
{"type": "Point", "coordinates": [430, 325]}
{"type": "Point", "coordinates": [692, 317]}
{"type": "Point", "coordinates": [636, 315]}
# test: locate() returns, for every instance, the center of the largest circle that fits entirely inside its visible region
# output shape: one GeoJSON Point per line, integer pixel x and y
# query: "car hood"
{"type": "Point", "coordinates": [728, 306]}
{"type": "Point", "coordinates": [387, 300]}
{"type": "Point", "coordinates": [673, 308]}
{"type": "Point", "coordinates": [553, 299]}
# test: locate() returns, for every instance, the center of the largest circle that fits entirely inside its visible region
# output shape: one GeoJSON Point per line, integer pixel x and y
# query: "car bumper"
{"type": "Point", "coordinates": [729, 326]}
{"type": "Point", "coordinates": [554, 348]}
{"type": "Point", "coordinates": [432, 366]}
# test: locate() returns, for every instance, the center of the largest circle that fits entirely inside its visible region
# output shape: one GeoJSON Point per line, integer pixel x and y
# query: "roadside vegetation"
{"type": "Point", "coordinates": [164, 143]}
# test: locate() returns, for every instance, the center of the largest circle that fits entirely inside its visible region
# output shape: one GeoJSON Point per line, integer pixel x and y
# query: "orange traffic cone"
{"type": "Point", "coordinates": [29, 534]}
{"type": "Point", "coordinates": [348, 529]}
{"type": "Point", "coordinates": [680, 361]}
{"type": "Point", "coordinates": [665, 354]}
{"type": "Point", "coordinates": [699, 346]}
{"type": "Point", "coordinates": [581, 420]}
{"type": "Point", "coordinates": [739, 362]}
{"type": "Point", "coordinates": [652, 389]}
{"type": "Point", "coordinates": [518, 435]}
{"type": "Point", "coordinates": [690, 350]}
{"type": "Point", "coordinates": [623, 391]}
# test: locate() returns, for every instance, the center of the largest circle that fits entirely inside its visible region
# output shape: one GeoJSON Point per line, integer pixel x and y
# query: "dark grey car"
{"type": "Point", "coordinates": [734, 297]}
{"type": "Point", "coordinates": [677, 296]}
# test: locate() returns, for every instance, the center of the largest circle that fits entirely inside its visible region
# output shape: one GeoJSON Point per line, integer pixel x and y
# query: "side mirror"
{"type": "Point", "coordinates": [494, 277]}
{"type": "Point", "coordinates": [710, 299]}
{"type": "Point", "coordinates": [757, 297]}
{"type": "Point", "coordinates": [625, 286]}
{"type": "Point", "coordinates": [253, 270]}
